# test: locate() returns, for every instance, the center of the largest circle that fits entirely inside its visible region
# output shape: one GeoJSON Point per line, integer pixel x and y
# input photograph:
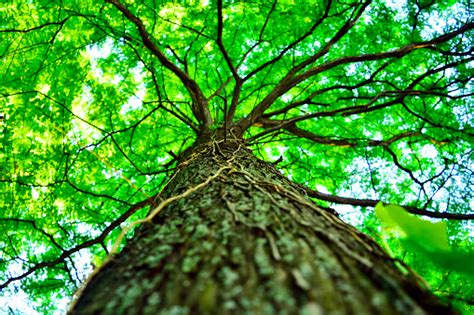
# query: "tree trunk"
{"type": "Point", "coordinates": [249, 242]}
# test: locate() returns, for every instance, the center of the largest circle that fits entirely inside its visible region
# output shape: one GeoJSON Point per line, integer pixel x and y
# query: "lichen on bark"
{"type": "Point", "coordinates": [248, 242]}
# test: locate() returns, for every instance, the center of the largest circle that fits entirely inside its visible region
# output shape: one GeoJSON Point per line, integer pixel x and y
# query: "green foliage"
{"type": "Point", "coordinates": [92, 120]}
{"type": "Point", "coordinates": [425, 237]}
{"type": "Point", "coordinates": [429, 236]}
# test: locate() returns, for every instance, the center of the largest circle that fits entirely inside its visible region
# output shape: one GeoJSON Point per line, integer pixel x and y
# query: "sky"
{"type": "Point", "coordinates": [19, 301]}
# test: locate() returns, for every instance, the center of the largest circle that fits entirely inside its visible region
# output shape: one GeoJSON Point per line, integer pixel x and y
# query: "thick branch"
{"type": "Point", "coordinates": [308, 99]}
{"type": "Point", "coordinates": [372, 202]}
{"type": "Point", "coordinates": [220, 27]}
{"type": "Point", "coordinates": [287, 83]}
{"type": "Point", "coordinates": [301, 133]}
{"type": "Point", "coordinates": [238, 80]}
{"type": "Point", "coordinates": [274, 125]}
{"type": "Point", "coordinates": [202, 110]}
{"type": "Point", "coordinates": [181, 117]}
{"type": "Point", "coordinates": [398, 53]}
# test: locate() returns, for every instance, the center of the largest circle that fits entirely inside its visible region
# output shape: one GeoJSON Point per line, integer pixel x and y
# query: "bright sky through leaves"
{"type": "Point", "coordinates": [358, 101]}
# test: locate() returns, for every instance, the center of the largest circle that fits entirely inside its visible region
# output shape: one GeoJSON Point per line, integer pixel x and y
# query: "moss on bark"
{"type": "Point", "coordinates": [249, 242]}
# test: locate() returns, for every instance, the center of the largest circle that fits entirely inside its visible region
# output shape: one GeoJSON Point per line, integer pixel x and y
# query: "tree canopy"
{"type": "Point", "coordinates": [357, 101]}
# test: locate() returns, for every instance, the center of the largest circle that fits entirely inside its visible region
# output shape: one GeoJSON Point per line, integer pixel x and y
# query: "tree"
{"type": "Point", "coordinates": [219, 139]}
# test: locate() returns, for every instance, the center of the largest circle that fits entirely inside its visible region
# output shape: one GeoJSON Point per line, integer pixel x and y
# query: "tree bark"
{"type": "Point", "coordinates": [249, 242]}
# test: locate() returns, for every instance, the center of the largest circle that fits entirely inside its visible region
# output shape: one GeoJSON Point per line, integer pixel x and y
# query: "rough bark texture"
{"type": "Point", "coordinates": [249, 242]}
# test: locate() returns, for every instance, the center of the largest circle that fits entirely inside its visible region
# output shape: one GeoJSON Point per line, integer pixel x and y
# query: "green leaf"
{"type": "Point", "coordinates": [430, 235]}
{"type": "Point", "coordinates": [425, 237]}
